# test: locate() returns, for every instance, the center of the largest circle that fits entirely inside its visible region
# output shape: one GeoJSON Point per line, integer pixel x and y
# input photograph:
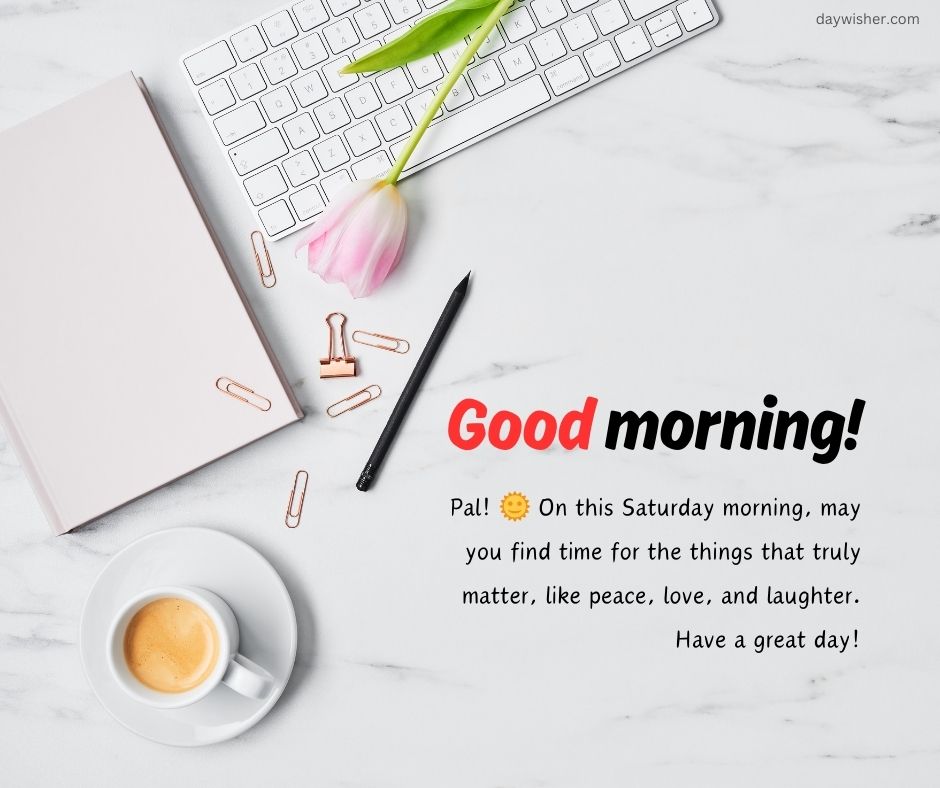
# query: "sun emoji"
{"type": "Point", "coordinates": [514, 506]}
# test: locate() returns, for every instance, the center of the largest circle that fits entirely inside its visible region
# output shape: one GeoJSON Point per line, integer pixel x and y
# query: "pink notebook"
{"type": "Point", "coordinates": [123, 333]}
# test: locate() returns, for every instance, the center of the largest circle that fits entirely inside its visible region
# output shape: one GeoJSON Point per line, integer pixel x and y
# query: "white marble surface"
{"type": "Point", "coordinates": [756, 211]}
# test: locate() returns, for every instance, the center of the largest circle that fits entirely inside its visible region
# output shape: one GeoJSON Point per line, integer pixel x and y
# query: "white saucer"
{"type": "Point", "coordinates": [220, 563]}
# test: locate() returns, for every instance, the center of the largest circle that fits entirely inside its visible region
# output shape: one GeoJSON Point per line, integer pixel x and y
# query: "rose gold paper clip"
{"type": "Point", "coordinates": [385, 342]}
{"type": "Point", "coordinates": [337, 365]}
{"type": "Point", "coordinates": [267, 279]}
{"type": "Point", "coordinates": [243, 393]}
{"type": "Point", "coordinates": [356, 400]}
{"type": "Point", "coordinates": [292, 518]}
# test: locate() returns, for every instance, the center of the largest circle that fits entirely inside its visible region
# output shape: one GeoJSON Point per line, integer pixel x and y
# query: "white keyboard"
{"type": "Point", "coordinates": [295, 131]}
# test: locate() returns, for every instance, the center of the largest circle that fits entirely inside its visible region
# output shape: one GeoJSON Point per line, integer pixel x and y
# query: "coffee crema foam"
{"type": "Point", "coordinates": [171, 645]}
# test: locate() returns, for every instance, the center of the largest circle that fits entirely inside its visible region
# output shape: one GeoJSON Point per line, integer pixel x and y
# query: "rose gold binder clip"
{"type": "Point", "coordinates": [298, 491]}
{"type": "Point", "coordinates": [340, 365]}
{"type": "Point", "coordinates": [268, 279]}
{"type": "Point", "coordinates": [381, 341]}
{"type": "Point", "coordinates": [243, 393]}
{"type": "Point", "coordinates": [353, 401]}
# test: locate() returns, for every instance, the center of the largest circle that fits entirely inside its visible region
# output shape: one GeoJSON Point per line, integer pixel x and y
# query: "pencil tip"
{"type": "Point", "coordinates": [463, 283]}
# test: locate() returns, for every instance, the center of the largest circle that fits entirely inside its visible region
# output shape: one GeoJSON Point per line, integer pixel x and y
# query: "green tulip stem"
{"type": "Point", "coordinates": [475, 43]}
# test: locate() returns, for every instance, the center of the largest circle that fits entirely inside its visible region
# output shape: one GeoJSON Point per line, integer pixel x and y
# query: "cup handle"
{"type": "Point", "coordinates": [248, 678]}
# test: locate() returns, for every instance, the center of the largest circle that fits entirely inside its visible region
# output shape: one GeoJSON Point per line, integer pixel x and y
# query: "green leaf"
{"type": "Point", "coordinates": [455, 20]}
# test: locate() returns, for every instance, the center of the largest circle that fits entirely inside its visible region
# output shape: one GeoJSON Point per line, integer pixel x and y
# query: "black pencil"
{"type": "Point", "coordinates": [413, 384]}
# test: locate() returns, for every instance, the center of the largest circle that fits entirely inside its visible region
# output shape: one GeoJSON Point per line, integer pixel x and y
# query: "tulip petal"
{"type": "Point", "coordinates": [334, 258]}
{"type": "Point", "coordinates": [336, 212]}
{"type": "Point", "coordinates": [377, 240]}
{"type": "Point", "coordinates": [389, 255]}
{"type": "Point", "coordinates": [362, 237]}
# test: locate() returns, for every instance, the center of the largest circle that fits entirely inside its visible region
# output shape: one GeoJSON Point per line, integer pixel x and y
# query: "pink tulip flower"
{"type": "Point", "coordinates": [360, 238]}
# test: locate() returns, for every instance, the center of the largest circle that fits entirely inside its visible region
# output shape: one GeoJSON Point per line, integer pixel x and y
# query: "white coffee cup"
{"type": "Point", "coordinates": [231, 668]}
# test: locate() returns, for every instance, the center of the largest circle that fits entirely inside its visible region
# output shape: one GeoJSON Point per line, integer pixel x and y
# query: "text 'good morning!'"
{"type": "Point", "coordinates": [826, 433]}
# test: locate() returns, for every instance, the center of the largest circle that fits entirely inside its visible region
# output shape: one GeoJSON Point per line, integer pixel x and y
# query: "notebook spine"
{"type": "Point", "coordinates": [31, 468]}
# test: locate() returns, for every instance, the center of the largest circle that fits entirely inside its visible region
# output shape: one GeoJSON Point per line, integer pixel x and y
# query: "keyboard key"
{"type": "Point", "coordinates": [276, 217]}
{"type": "Point", "coordinates": [396, 34]}
{"type": "Point", "coordinates": [310, 14]}
{"type": "Point", "coordinates": [547, 47]}
{"type": "Point", "coordinates": [372, 166]}
{"type": "Point", "coordinates": [332, 115]}
{"type": "Point", "coordinates": [307, 202]}
{"type": "Point", "coordinates": [452, 53]}
{"type": "Point", "coordinates": [300, 169]}
{"type": "Point", "coordinates": [486, 77]}
{"type": "Point", "coordinates": [580, 5]}
{"type": "Point", "coordinates": [566, 76]}
{"type": "Point", "coordinates": [301, 130]}
{"type": "Point", "coordinates": [217, 96]}
{"type": "Point", "coordinates": [660, 21]}
{"type": "Point", "coordinates": [362, 138]}
{"type": "Point", "coordinates": [666, 35]}
{"type": "Point", "coordinates": [248, 81]}
{"type": "Point", "coordinates": [492, 43]}
{"type": "Point", "coordinates": [640, 8]}
{"type": "Point", "coordinates": [342, 6]}
{"type": "Point", "coordinates": [393, 84]}
{"type": "Point", "coordinates": [403, 9]}
{"type": "Point", "coordinates": [609, 17]}
{"type": "Point", "coordinates": [460, 94]}
{"type": "Point", "coordinates": [371, 20]}
{"type": "Point", "coordinates": [331, 153]}
{"type": "Point", "coordinates": [578, 32]}
{"type": "Point", "coordinates": [209, 63]}
{"type": "Point", "coordinates": [548, 11]}
{"type": "Point", "coordinates": [279, 28]}
{"type": "Point", "coordinates": [248, 43]}
{"type": "Point", "coordinates": [309, 51]}
{"type": "Point", "coordinates": [418, 105]}
{"type": "Point", "coordinates": [632, 43]}
{"type": "Point", "coordinates": [694, 14]}
{"type": "Point", "coordinates": [339, 81]}
{"type": "Point", "coordinates": [425, 71]}
{"type": "Point", "coordinates": [479, 118]}
{"type": "Point", "coordinates": [239, 123]}
{"type": "Point", "coordinates": [393, 122]}
{"type": "Point", "coordinates": [258, 151]}
{"type": "Point", "coordinates": [517, 62]}
{"type": "Point", "coordinates": [364, 50]}
{"type": "Point", "coordinates": [278, 104]}
{"type": "Point", "coordinates": [278, 66]}
{"type": "Point", "coordinates": [309, 88]}
{"type": "Point", "coordinates": [363, 100]}
{"type": "Point", "coordinates": [433, 3]}
{"type": "Point", "coordinates": [340, 36]}
{"type": "Point", "coordinates": [335, 184]}
{"type": "Point", "coordinates": [518, 24]}
{"type": "Point", "coordinates": [266, 185]}
{"type": "Point", "coordinates": [602, 58]}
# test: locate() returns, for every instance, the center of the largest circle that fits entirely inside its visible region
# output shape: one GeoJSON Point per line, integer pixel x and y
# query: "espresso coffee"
{"type": "Point", "coordinates": [171, 645]}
